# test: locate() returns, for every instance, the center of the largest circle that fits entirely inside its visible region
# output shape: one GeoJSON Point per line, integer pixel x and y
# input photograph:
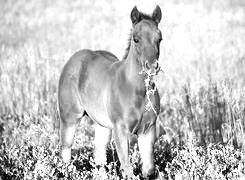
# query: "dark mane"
{"type": "Point", "coordinates": [128, 46]}
{"type": "Point", "coordinates": [143, 16]}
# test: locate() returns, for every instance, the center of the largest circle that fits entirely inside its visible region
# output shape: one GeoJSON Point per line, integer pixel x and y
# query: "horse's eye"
{"type": "Point", "coordinates": [136, 40]}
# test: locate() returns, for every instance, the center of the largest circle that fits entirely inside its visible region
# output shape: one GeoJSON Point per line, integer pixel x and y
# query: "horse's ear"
{"type": "Point", "coordinates": [157, 14]}
{"type": "Point", "coordinates": [135, 15]}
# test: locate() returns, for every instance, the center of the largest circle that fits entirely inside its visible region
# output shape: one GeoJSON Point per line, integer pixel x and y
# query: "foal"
{"type": "Point", "coordinates": [114, 95]}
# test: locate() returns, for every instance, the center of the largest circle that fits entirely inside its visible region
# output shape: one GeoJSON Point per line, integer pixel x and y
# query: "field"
{"type": "Point", "coordinates": [202, 89]}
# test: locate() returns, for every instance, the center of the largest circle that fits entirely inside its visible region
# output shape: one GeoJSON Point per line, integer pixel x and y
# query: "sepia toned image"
{"type": "Point", "coordinates": [126, 89]}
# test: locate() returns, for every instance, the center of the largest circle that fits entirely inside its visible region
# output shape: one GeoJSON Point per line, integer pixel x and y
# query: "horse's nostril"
{"type": "Point", "coordinates": [147, 65]}
{"type": "Point", "coordinates": [156, 65]}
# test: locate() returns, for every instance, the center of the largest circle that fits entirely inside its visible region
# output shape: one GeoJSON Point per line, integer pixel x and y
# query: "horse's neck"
{"type": "Point", "coordinates": [132, 69]}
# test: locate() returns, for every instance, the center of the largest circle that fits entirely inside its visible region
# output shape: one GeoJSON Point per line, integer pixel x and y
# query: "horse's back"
{"type": "Point", "coordinates": [81, 62]}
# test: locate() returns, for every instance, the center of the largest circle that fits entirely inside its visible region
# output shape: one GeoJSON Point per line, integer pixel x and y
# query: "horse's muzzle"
{"type": "Point", "coordinates": [153, 68]}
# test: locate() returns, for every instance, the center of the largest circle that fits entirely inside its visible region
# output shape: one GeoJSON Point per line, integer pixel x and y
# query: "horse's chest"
{"type": "Point", "coordinates": [135, 112]}
{"type": "Point", "coordinates": [128, 108]}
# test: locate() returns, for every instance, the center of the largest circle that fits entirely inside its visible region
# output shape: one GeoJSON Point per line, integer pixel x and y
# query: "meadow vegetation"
{"type": "Point", "coordinates": [202, 89]}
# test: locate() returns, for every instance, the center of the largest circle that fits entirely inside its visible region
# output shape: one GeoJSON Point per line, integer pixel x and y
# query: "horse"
{"type": "Point", "coordinates": [113, 93]}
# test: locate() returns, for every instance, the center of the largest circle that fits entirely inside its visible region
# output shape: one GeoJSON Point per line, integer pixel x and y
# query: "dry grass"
{"type": "Point", "coordinates": [202, 90]}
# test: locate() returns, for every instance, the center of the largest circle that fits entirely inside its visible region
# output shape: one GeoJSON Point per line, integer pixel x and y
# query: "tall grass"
{"type": "Point", "coordinates": [202, 89]}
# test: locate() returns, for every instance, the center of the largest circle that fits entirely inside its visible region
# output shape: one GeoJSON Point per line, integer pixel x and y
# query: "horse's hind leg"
{"type": "Point", "coordinates": [102, 137]}
{"type": "Point", "coordinates": [71, 112]}
{"type": "Point", "coordinates": [68, 125]}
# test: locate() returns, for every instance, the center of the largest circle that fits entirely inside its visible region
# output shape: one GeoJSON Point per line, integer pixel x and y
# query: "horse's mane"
{"type": "Point", "coordinates": [128, 46]}
{"type": "Point", "coordinates": [142, 16]}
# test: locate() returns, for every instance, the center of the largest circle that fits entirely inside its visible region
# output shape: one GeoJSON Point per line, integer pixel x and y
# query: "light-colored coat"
{"type": "Point", "coordinates": [113, 94]}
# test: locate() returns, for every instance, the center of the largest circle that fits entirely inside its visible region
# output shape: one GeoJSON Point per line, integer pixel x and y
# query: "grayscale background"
{"type": "Point", "coordinates": [202, 89]}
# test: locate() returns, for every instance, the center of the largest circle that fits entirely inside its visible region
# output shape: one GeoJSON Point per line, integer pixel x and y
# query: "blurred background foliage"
{"type": "Point", "coordinates": [202, 54]}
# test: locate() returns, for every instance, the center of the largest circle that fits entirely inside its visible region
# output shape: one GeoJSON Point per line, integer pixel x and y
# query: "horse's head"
{"type": "Point", "coordinates": [146, 38]}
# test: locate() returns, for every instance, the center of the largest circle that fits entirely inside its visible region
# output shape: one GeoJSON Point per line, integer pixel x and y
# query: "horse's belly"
{"type": "Point", "coordinates": [97, 111]}
{"type": "Point", "coordinates": [101, 117]}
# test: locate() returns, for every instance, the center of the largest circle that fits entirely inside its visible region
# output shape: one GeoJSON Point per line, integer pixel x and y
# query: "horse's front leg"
{"type": "Point", "coordinates": [147, 137]}
{"type": "Point", "coordinates": [146, 143]}
{"type": "Point", "coordinates": [121, 139]}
